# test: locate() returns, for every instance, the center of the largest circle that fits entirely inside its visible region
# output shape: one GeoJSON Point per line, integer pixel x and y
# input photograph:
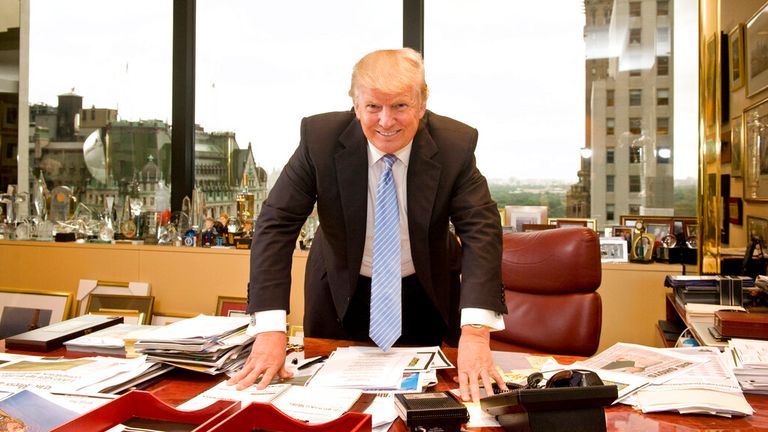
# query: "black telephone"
{"type": "Point", "coordinates": [572, 400]}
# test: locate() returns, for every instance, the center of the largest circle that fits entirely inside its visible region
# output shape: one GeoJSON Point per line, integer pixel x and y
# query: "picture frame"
{"type": "Point", "coordinates": [736, 57]}
{"type": "Point", "coordinates": [659, 229]}
{"type": "Point", "coordinates": [622, 232]}
{"type": "Point", "coordinates": [737, 148]}
{"type": "Point", "coordinates": [231, 306]}
{"type": "Point", "coordinates": [129, 316]}
{"type": "Point", "coordinates": [516, 216]}
{"type": "Point", "coordinates": [642, 248]}
{"type": "Point", "coordinates": [116, 304]}
{"type": "Point", "coordinates": [755, 55]}
{"type": "Point", "coordinates": [613, 249]}
{"type": "Point", "coordinates": [573, 222]}
{"type": "Point", "coordinates": [757, 227]}
{"type": "Point", "coordinates": [692, 235]}
{"type": "Point", "coordinates": [735, 208]}
{"type": "Point", "coordinates": [164, 318]}
{"type": "Point", "coordinates": [91, 286]}
{"type": "Point", "coordinates": [22, 310]}
{"type": "Point", "coordinates": [755, 162]}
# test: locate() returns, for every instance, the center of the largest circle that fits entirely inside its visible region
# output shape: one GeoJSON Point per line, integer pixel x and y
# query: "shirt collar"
{"type": "Point", "coordinates": [374, 154]}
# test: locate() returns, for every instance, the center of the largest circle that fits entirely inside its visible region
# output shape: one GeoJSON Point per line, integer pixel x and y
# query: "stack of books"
{"type": "Point", "coordinates": [709, 289]}
{"type": "Point", "coordinates": [209, 344]}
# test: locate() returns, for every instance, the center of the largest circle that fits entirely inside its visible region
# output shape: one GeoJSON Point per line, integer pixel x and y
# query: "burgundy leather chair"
{"type": "Point", "coordinates": [550, 279]}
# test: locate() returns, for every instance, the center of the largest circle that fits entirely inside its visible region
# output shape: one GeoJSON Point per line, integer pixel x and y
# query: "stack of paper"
{"type": "Point", "coordinates": [111, 340]}
{"type": "Point", "coordinates": [749, 360]}
{"type": "Point", "coordinates": [210, 344]}
{"type": "Point", "coordinates": [686, 380]}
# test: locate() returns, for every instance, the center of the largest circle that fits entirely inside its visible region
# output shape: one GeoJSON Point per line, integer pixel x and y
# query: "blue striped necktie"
{"type": "Point", "coordinates": [386, 323]}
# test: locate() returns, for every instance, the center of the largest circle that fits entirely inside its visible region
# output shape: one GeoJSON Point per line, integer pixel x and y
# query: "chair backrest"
{"type": "Point", "coordinates": [550, 279]}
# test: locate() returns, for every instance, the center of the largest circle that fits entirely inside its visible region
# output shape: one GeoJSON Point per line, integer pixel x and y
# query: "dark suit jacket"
{"type": "Point", "coordinates": [330, 167]}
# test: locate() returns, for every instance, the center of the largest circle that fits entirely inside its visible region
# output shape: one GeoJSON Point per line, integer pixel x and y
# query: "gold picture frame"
{"type": "Point", "coordinates": [736, 57]}
{"type": "Point", "coordinates": [22, 310]}
{"type": "Point", "coordinates": [573, 223]}
{"type": "Point", "coordinates": [755, 162]}
{"type": "Point", "coordinates": [231, 306]}
{"type": "Point", "coordinates": [122, 305]}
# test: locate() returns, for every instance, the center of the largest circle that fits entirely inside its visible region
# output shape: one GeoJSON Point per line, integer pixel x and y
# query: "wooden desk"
{"type": "Point", "coordinates": [179, 386]}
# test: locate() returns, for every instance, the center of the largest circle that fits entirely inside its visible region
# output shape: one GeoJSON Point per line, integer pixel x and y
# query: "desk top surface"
{"type": "Point", "coordinates": [179, 385]}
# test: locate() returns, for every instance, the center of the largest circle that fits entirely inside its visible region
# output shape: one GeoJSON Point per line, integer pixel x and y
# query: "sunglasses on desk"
{"type": "Point", "coordinates": [563, 378]}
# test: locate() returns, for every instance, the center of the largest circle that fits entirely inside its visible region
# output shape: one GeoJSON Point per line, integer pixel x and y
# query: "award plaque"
{"type": "Point", "coordinates": [128, 229]}
{"type": "Point", "coordinates": [60, 203]}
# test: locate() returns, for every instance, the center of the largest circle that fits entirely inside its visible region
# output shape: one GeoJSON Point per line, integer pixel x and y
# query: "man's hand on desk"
{"type": "Point", "coordinates": [475, 363]}
{"type": "Point", "coordinates": [267, 357]}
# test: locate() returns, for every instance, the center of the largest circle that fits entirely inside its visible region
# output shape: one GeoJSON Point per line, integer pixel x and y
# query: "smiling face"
{"type": "Point", "coordinates": [389, 120]}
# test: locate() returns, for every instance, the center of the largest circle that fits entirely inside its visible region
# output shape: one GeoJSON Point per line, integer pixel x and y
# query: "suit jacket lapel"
{"type": "Point", "coordinates": [352, 176]}
{"type": "Point", "coordinates": [423, 180]}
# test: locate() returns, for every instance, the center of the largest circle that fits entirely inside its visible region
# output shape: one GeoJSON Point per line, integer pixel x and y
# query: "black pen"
{"type": "Point", "coordinates": [311, 362]}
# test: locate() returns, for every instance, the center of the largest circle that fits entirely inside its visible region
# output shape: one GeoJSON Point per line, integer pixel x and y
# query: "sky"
{"type": "Point", "coordinates": [513, 70]}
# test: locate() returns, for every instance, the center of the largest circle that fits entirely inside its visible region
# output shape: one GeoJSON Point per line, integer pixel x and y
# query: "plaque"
{"type": "Point", "coordinates": [61, 197]}
{"type": "Point", "coordinates": [128, 229]}
{"type": "Point", "coordinates": [53, 336]}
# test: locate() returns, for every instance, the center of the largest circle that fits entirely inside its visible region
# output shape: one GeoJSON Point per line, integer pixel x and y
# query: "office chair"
{"type": "Point", "coordinates": [550, 279]}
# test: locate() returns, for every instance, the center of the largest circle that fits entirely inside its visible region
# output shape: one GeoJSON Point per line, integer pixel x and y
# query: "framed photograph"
{"type": "Point", "coordinates": [622, 232]}
{"type": "Point", "coordinates": [23, 310]}
{"type": "Point", "coordinates": [572, 222]}
{"type": "Point", "coordinates": [691, 235]}
{"type": "Point", "coordinates": [736, 57]}
{"type": "Point", "coordinates": [737, 148]}
{"type": "Point", "coordinates": [123, 305]}
{"type": "Point", "coordinates": [755, 120]}
{"type": "Point", "coordinates": [165, 318]}
{"type": "Point", "coordinates": [231, 306]}
{"type": "Point", "coordinates": [755, 54]}
{"type": "Point", "coordinates": [757, 228]}
{"type": "Point", "coordinates": [659, 229]}
{"type": "Point", "coordinates": [91, 286]}
{"type": "Point", "coordinates": [613, 249]}
{"type": "Point", "coordinates": [735, 210]}
{"type": "Point", "coordinates": [516, 216]}
{"type": "Point", "coordinates": [642, 248]}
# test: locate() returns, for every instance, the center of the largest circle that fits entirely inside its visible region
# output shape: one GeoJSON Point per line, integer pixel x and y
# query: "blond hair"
{"type": "Point", "coordinates": [390, 71]}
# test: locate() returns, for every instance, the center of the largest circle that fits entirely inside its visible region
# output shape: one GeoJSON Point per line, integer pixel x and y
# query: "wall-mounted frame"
{"type": "Point", "coordinates": [231, 306]}
{"type": "Point", "coordinates": [573, 222]}
{"type": "Point", "coordinates": [23, 310]}
{"type": "Point", "coordinates": [613, 249]}
{"type": "Point", "coordinates": [737, 148]}
{"type": "Point", "coordinates": [91, 286]}
{"type": "Point", "coordinates": [118, 304]}
{"type": "Point", "coordinates": [736, 57]}
{"type": "Point", "coordinates": [735, 208]}
{"type": "Point", "coordinates": [757, 227]}
{"type": "Point", "coordinates": [755, 55]}
{"type": "Point", "coordinates": [516, 216]}
{"type": "Point", "coordinates": [165, 318]}
{"type": "Point", "coordinates": [710, 83]}
{"type": "Point", "coordinates": [755, 130]}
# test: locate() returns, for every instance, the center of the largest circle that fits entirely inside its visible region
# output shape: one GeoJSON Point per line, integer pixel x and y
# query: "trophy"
{"type": "Point", "coordinates": [61, 202]}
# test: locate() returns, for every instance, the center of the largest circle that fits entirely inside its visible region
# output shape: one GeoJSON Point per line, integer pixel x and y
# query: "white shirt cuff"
{"type": "Point", "coordinates": [265, 321]}
{"type": "Point", "coordinates": [485, 317]}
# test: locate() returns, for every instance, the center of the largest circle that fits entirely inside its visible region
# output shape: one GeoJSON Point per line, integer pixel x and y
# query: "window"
{"type": "Point", "coordinates": [664, 155]}
{"type": "Point", "coordinates": [662, 66]}
{"type": "Point", "coordinates": [662, 97]}
{"type": "Point", "coordinates": [610, 126]}
{"type": "Point", "coordinates": [609, 97]}
{"type": "Point", "coordinates": [635, 155]}
{"type": "Point", "coordinates": [610, 212]}
{"type": "Point", "coordinates": [662, 125]}
{"type": "Point", "coordinates": [662, 7]}
{"type": "Point", "coordinates": [610, 181]}
{"type": "Point", "coordinates": [635, 125]}
{"type": "Point", "coordinates": [634, 209]}
{"type": "Point", "coordinates": [635, 9]}
{"type": "Point", "coordinates": [609, 155]}
{"type": "Point", "coordinates": [635, 72]}
{"type": "Point", "coordinates": [635, 97]}
{"type": "Point", "coordinates": [635, 36]}
{"type": "Point", "coordinates": [662, 35]}
{"type": "Point", "coordinates": [634, 183]}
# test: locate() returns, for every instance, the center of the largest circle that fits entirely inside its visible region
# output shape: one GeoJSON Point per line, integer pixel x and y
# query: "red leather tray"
{"type": "Point", "coordinates": [266, 416]}
{"type": "Point", "coordinates": [143, 404]}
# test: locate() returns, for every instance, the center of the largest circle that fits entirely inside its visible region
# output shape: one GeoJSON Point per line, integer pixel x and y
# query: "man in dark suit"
{"type": "Point", "coordinates": [447, 291]}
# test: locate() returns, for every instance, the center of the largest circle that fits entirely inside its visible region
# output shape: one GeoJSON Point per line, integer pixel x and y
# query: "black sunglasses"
{"type": "Point", "coordinates": [574, 378]}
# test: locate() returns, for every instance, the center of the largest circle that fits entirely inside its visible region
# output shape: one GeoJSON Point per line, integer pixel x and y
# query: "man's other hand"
{"type": "Point", "coordinates": [475, 364]}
